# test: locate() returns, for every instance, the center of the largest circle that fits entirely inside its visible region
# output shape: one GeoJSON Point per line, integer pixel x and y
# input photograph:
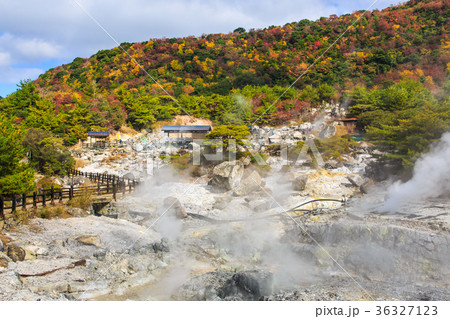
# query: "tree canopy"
{"type": "Point", "coordinates": [15, 175]}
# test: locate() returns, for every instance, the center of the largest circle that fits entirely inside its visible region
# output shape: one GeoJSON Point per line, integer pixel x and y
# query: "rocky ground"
{"type": "Point", "coordinates": [233, 234]}
{"type": "Point", "coordinates": [232, 237]}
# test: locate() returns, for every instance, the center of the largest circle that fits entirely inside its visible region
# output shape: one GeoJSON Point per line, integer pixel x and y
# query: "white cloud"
{"type": "Point", "coordinates": [5, 59]}
{"type": "Point", "coordinates": [19, 55]}
{"type": "Point", "coordinates": [12, 75]}
{"type": "Point", "coordinates": [27, 50]}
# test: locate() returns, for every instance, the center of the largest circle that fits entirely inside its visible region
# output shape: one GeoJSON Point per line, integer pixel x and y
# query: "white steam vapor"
{"type": "Point", "coordinates": [431, 178]}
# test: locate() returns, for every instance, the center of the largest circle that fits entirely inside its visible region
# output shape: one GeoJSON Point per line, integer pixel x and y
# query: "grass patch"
{"type": "Point", "coordinates": [83, 200]}
{"type": "Point", "coordinates": [53, 212]}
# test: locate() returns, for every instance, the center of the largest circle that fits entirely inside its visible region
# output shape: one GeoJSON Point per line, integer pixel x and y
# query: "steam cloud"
{"type": "Point", "coordinates": [431, 178]}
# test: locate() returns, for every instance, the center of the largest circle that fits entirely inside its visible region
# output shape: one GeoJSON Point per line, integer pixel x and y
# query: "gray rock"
{"type": "Point", "coordinates": [76, 212]}
{"type": "Point", "coordinates": [333, 164]}
{"type": "Point", "coordinates": [356, 180]}
{"type": "Point", "coordinates": [2, 247]}
{"type": "Point", "coordinates": [250, 184]}
{"type": "Point", "coordinates": [246, 161]}
{"type": "Point", "coordinates": [299, 183]}
{"type": "Point", "coordinates": [174, 206]}
{"type": "Point", "coordinates": [100, 255]}
{"type": "Point", "coordinates": [162, 246]}
{"type": "Point", "coordinates": [227, 175]}
{"type": "Point", "coordinates": [248, 285]}
{"type": "Point", "coordinates": [78, 180]}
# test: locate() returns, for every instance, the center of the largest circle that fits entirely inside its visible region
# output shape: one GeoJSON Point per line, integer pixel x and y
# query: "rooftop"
{"type": "Point", "coordinates": [186, 128]}
{"type": "Point", "coordinates": [98, 134]}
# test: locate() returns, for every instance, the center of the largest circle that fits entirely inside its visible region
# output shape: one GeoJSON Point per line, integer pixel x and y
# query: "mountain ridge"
{"type": "Point", "coordinates": [243, 76]}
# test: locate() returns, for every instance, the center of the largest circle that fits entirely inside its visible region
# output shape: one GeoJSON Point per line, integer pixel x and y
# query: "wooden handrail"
{"type": "Point", "coordinates": [106, 184]}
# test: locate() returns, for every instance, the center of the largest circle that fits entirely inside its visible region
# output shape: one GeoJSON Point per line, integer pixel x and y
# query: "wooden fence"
{"type": "Point", "coordinates": [105, 184]}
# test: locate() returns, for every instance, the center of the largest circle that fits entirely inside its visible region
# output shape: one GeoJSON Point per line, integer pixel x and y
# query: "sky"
{"type": "Point", "coordinates": [38, 35]}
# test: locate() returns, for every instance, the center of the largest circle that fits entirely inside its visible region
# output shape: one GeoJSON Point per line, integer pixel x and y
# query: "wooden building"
{"type": "Point", "coordinates": [186, 132]}
{"type": "Point", "coordinates": [97, 139]}
{"type": "Point", "coordinates": [350, 125]}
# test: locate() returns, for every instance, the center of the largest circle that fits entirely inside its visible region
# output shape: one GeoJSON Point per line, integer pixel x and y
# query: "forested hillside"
{"type": "Point", "coordinates": [233, 78]}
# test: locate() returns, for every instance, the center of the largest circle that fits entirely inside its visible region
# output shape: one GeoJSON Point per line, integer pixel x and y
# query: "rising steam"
{"type": "Point", "coordinates": [431, 178]}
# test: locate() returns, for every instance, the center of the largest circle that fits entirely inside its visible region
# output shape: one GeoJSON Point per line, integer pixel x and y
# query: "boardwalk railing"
{"type": "Point", "coordinates": [105, 184]}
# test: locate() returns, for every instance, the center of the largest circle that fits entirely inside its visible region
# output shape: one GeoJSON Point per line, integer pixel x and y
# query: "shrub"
{"type": "Point", "coordinates": [48, 154]}
{"type": "Point", "coordinates": [83, 201]}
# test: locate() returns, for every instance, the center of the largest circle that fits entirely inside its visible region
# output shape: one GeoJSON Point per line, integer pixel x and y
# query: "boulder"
{"type": "Point", "coordinates": [333, 164]}
{"type": "Point", "coordinates": [16, 253]}
{"type": "Point", "coordinates": [356, 180]}
{"type": "Point", "coordinates": [227, 175]}
{"type": "Point", "coordinates": [89, 240]}
{"type": "Point", "coordinates": [246, 161]}
{"type": "Point", "coordinates": [174, 206]}
{"type": "Point", "coordinates": [299, 183]}
{"type": "Point", "coordinates": [76, 212]}
{"type": "Point", "coordinates": [162, 246]}
{"type": "Point", "coordinates": [297, 135]}
{"type": "Point", "coordinates": [250, 184]}
{"type": "Point", "coordinates": [33, 251]}
{"type": "Point", "coordinates": [275, 138]}
{"type": "Point", "coordinates": [78, 180]}
{"type": "Point", "coordinates": [248, 285]}
{"type": "Point", "coordinates": [365, 188]}
{"type": "Point", "coordinates": [260, 205]}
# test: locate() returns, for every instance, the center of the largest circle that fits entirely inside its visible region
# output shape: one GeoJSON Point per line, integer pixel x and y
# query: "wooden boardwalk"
{"type": "Point", "coordinates": [103, 186]}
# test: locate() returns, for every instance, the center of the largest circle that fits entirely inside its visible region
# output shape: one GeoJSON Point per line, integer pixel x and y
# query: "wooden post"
{"type": "Point", "coordinates": [24, 201]}
{"type": "Point", "coordinates": [34, 200]}
{"type": "Point", "coordinates": [98, 188]}
{"type": "Point", "coordinates": [107, 186]}
{"type": "Point", "coordinates": [114, 191]}
{"type": "Point", "coordinates": [13, 199]}
{"type": "Point", "coordinates": [43, 198]}
{"type": "Point", "coordinates": [52, 194]}
{"type": "Point", "coordinates": [71, 192]}
{"type": "Point", "coordinates": [61, 195]}
{"type": "Point", "coordinates": [2, 214]}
